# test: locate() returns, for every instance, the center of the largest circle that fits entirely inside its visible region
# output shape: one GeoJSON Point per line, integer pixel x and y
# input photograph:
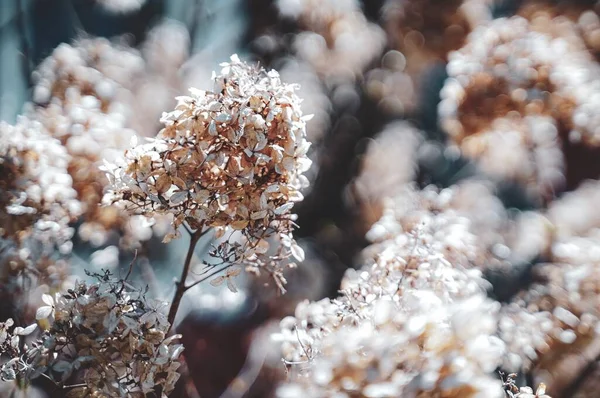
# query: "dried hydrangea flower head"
{"type": "Point", "coordinates": [231, 159]}
{"type": "Point", "coordinates": [525, 150]}
{"type": "Point", "coordinates": [450, 220]}
{"type": "Point", "coordinates": [107, 337]}
{"type": "Point", "coordinates": [399, 327]}
{"type": "Point", "coordinates": [337, 39]}
{"type": "Point", "coordinates": [37, 204]}
{"type": "Point", "coordinates": [552, 328]}
{"type": "Point", "coordinates": [83, 97]}
{"type": "Point", "coordinates": [514, 83]}
{"type": "Point", "coordinates": [90, 66]}
{"type": "Point", "coordinates": [37, 197]}
{"type": "Point", "coordinates": [419, 350]}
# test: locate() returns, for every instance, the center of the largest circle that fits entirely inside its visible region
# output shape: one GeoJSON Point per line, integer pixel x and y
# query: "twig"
{"type": "Point", "coordinates": [131, 265]}
{"type": "Point", "coordinates": [128, 272]}
{"type": "Point", "coordinates": [188, 229]}
{"type": "Point", "coordinates": [208, 276]}
{"type": "Point", "coordinates": [180, 285]}
{"type": "Point", "coordinates": [26, 65]}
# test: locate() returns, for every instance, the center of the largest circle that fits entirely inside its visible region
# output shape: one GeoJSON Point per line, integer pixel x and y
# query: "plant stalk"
{"type": "Point", "coordinates": [180, 285]}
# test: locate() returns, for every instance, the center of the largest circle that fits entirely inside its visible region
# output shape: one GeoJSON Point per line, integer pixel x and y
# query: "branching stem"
{"type": "Point", "coordinates": [180, 287]}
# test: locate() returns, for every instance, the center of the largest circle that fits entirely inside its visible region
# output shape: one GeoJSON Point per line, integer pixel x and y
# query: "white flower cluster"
{"type": "Point", "coordinates": [91, 66]}
{"type": "Point", "coordinates": [560, 311]}
{"type": "Point", "coordinates": [37, 197]}
{"type": "Point", "coordinates": [338, 40]}
{"type": "Point", "coordinates": [558, 314]}
{"type": "Point", "coordinates": [435, 217]}
{"type": "Point", "coordinates": [526, 150]}
{"type": "Point", "coordinates": [106, 335]}
{"type": "Point", "coordinates": [231, 159]}
{"type": "Point", "coordinates": [411, 322]}
{"type": "Point", "coordinates": [516, 92]}
{"type": "Point", "coordinates": [82, 96]}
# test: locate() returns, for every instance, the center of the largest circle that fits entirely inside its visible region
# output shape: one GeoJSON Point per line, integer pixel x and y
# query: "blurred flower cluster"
{"type": "Point", "coordinates": [413, 321]}
{"type": "Point", "coordinates": [520, 92]}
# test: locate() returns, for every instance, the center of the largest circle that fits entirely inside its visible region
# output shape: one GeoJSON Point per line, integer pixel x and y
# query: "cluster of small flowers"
{"type": "Point", "coordinates": [82, 97]}
{"type": "Point", "coordinates": [411, 322]}
{"type": "Point", "coordinates": [231, 159]}
{"type": "Point", "coordinates": [559, 313]}
{"type": "Point", "coordinates": [515, 70]}
{"type": "Point", "coordinates": [414, 210]}
{"type": "Point", "coordinates": [555, 318]}
{"type": "Point", "coordinates": [497, 239]}
{"type": "Point", "coordinates": [107, 335]}
{"type": "Point", "coordinates": [524, 149]}
{"type": "Point", "coordinates": [10, 346]}
{"type": "Point", "coordinates": [447, 223]}
{"type": "Point", "coordinates": [566, 232]}
{"type": "Point", "coordinates": [337, 39]}
{"type": "Point", "coordinates": [38, 199]}
{"type": "Point", "coordinates": [90, 66]}
{"type": "Point", "coordinates": [37, 203]}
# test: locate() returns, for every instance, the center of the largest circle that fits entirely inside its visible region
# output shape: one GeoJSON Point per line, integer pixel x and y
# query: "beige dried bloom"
{"type": "Point", "coordinates": [440, 220]}
{"type": "Point", "coordinates": [11, 350]}
{"type": "Point", "coordinates": [525, 150]}
{"type": "Point", "coordinates": [37, 204]}
{"type": "Point", "coordinates": [554, 321]}
{"type": "Point", "coordinates": [83, 97]}
{"type": "Point", "coordinates": [37, 197]}
{"type": "Point", "coordinates": [517, 93]}
{"type": "Point", "coordinates": [417, 350]}
{"type": "Point", "coordinates": [106, 336]}
{"type": "Point", "coordinates": [231, 159]}
{"type": "Point", "coordinates": [399, 327]}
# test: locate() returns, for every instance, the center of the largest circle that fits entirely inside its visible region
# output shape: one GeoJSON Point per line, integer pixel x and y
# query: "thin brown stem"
{"type": "Point", "coordinates": [180, 285]}
{"type": "Point", "coordinates": [207, 277]}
